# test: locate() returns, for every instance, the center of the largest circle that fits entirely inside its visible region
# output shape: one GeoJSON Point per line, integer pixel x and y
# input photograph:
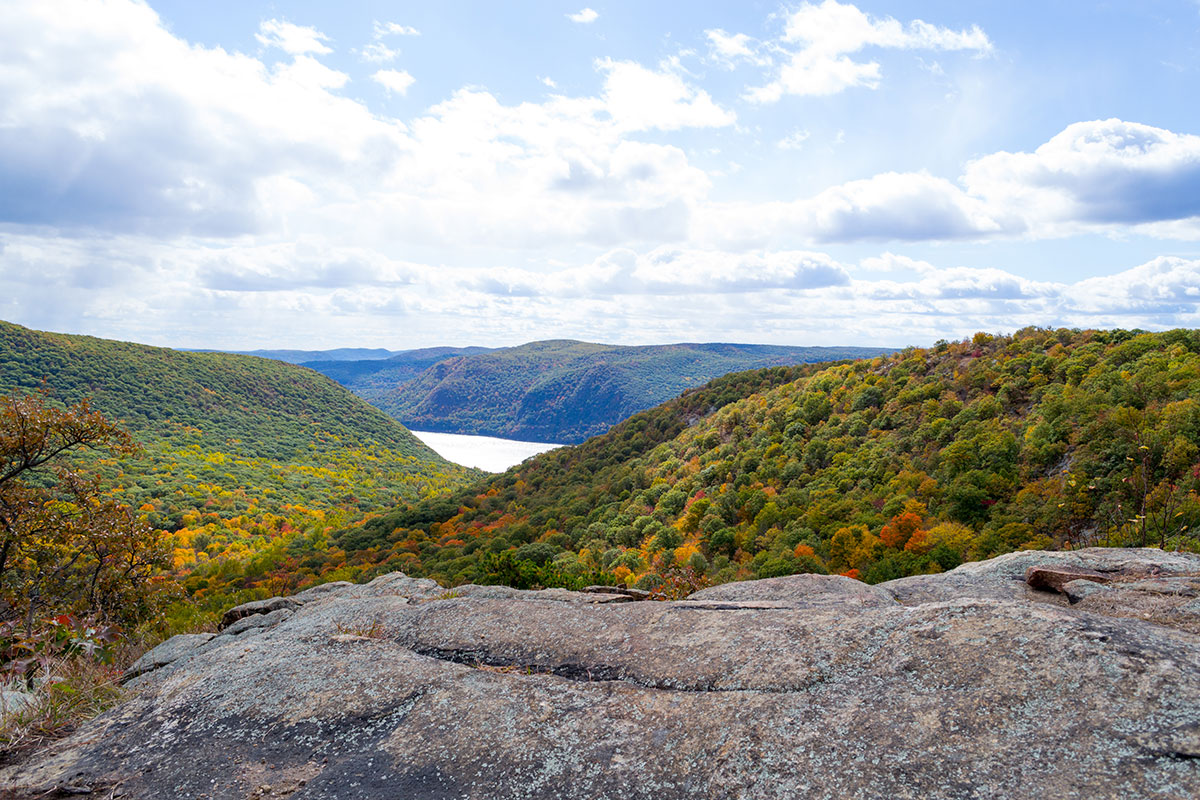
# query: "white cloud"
{"type": "Point", "coordinates": [794, 140]}
{"type": "Point", "coordinates": [818, 44]}
{"type": "Point", "coordinates": [892, 262]}
{"type": "Point", "coordinates": [895, 206]}
{"type": "Point", "coordinates": [733, 48]}
{"type": "Point", "coordinates": [669, 271]}
{"type": "Point", "coordinates": [394, 29]}
{"type": "Point", "coordinates": [233, 147]}
{"type": "Point", "coordinates": [1096, 173]}
{"type": "Point", "coordinates": [549, 82]}
{"type": "Point", "coordinates": [1106, 176]}
{"type": "Point", "coordinates": [291, 39]}
{"type": "Point", "coordinates": [639, 99]}
{"type": "Point", "coordinates": [237, 295]}
{"type": "Point", "coordinates": [394, 80]}
{"type": "Point", "coordinates": [585, 16]}
{"type": "Point", "coordinates": [378, 53]}
{"type": "Point", "coordinates": [1166, 288]}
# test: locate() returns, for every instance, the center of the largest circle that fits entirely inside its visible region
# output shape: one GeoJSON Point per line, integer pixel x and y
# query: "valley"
{"type": "Point", "coordinates": [552, 391]}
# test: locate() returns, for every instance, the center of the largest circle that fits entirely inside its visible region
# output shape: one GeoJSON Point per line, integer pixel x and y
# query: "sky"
{"type": "Point", "coordinates": [242, 174]}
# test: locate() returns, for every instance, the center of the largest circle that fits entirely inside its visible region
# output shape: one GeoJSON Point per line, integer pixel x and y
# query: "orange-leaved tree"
{"type": "Point", "coordinates": [65, 547]}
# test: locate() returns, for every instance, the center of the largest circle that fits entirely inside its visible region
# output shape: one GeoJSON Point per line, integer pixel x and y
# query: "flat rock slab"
{"type": "Point", "coordinates": [751, 693]}
{"type": "Point", "coordinates": [800, 590]}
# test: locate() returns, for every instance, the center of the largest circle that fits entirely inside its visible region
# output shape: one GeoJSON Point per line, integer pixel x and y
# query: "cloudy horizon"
{"type": "Point", "coordinates": [270, 175]}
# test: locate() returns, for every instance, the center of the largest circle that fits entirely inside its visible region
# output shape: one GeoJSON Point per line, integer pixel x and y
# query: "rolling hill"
{"type": "Point", "coordinates": [238, 452]}
{"type": "Point", "coordinates": [882, 468]}
{"type": "Point", "coordinates": [554, 391]}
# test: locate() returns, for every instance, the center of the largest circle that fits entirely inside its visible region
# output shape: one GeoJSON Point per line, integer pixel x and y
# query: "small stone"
{"type": "Point", "coordinates": [1055, 577]}
{"type": "Point", "coordinates": [636, 594]}
{"type": "Point", "coordinates": [14, 702]}
{"type": "Point", "coordinates": [256, 607]}
{"type": "Point", "coordinates": [258, 621]}
{"type": "Point", "coordinates": [1083, 588]}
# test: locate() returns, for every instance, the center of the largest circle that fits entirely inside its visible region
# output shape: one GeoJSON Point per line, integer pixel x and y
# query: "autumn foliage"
{"type": "Point", "coordinates": [64, 545]}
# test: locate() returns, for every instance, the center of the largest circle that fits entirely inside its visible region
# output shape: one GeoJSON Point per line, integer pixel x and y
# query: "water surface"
{"type": "Point", "coordinates": [482, 452]}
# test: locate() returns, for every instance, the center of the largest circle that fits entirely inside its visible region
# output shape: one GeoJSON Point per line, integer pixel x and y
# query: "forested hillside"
{"type": "Point", "coordinates": [237, 452]}
{"type": "Point", "coordinates": [894, 466]}
{"type": "Point", "coordinates": [554, 391]}
{"type": "Point", "coordinates": [373, 379]}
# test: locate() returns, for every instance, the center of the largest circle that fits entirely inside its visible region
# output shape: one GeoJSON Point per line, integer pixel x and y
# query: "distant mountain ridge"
{"type": "Point", "coordinates": [301, 356]}
{"type": "Point", "coordinates": [553, 391]}
{"type": "Point", "coordinates": [398, 368]}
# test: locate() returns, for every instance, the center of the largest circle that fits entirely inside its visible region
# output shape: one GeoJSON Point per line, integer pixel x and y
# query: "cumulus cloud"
{"type": "Point", "coordinates": [730, 49]}
{"type": "Point", "coordinates": [394, 80]}
{"type": "Point", "coordinates": [639, 99]}
{"type": "Point", "coordinates": [378, 53]}
{"type": "Point", "coordinates": [585, 16]}
{"type": "Point", "coordinates": [138, 131]}
{"type": "Point", "coordinates": [816, 53]}
{"type": "Point", "coordinates": [1100, 172]}
{"type": "Point", "coordinates": [291, 39]}
{"type": "Point", "coordinates": [394, 29]}
{"type": "Point", "coordinates": [1100, 176]}
{"type": "Point", "coordinates": [895, 206]}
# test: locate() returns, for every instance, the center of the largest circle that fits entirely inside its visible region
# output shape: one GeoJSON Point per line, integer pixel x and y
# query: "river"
{"type": "Point", "coordinates": [482, 452]}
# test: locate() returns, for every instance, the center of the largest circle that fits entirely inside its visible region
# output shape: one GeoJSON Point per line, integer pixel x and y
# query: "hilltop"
{"type": "Point", "coordinates": [239, 454]}
{"type": "Point", "coordinates": [881, 468]}
{"type": "Point", "coordinates": [552, 391]}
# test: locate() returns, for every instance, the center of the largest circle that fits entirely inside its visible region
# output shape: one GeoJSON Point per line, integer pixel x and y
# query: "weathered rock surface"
{"type": "Point", "coordinates": [963, 685]}
{"type": "Point", "coordinates": [1003, 578]}
{"type": "Point", "coordinates": [801, 590]}
{"type": "Point", "coordinates": [166, 653]}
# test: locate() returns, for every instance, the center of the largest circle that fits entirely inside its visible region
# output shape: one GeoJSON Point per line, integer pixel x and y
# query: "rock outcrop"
{"type": "Point", "coordinates": [970, 684]}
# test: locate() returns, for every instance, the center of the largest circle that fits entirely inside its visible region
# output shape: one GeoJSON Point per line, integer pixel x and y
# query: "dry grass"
{"type": "Point", "coordinates": [361, 630]}
{"type": "Point", "coordinates": [71, 691]}
{"type": "Point", "coordinates": [1126, 599]}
